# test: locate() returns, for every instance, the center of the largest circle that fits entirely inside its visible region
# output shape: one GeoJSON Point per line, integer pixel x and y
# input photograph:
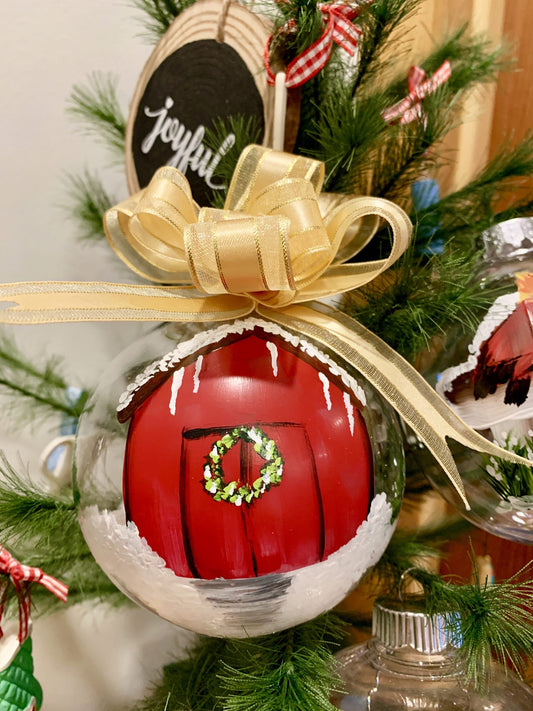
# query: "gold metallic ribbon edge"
{"type": "Point", "coordinates": [394, 378]}
{"type": "Point", "coordinates": [62, 302]}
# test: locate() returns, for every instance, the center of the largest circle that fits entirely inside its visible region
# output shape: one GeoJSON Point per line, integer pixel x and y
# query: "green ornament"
{"type": "Point", "coordinates": [19, 689]}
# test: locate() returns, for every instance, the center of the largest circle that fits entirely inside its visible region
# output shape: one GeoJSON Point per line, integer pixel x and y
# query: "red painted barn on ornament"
{"type": "Point", "coordinates": [246, 457]}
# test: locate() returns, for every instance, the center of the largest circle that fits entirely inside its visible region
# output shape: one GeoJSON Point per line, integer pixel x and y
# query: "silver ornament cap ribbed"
{"type": "Point", "coordinates": [405, 624]}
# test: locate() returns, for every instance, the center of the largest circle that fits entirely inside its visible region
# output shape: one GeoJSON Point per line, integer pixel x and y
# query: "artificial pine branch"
{"type": "Point", "coordinates": [407, 548]}
{"type": "Point", "coordinates": [423, 298]}
{"type": "Point", "coordinates": [385, 160]}
{"type": "Point", "coordinates": [293, 670]}
{"type": "Point", "coordinates": [465, 213]}
{"type": "Point", "coordinates": [247, 130]}
{"type": "Point", "coordinates": [485, 619]}
{"type": "Point", "coordinates": [96, 108]}
{"type": "Point", "coordinates": [404, 152]}
{"type": "Point", "coordinates": [298, 24]}
{"type": "Point", "coordinates": [87, 201]}
{"type": "Point", "coordinates": [343, 133]}
{"type": "Point", "coordinates": [474, 58]}
{"type": "Point", "coordinates": [488, 620]}
{"type": "Point", "coordinates": [34, 391]}
{"type": "Point", "coordinates": [42, 529]}
{"type": "Point", "coordinates": [191, 684]}
{"type": "Point", "coordinates": [161, 14]}
{"type": "Point", "coordinates": [378, 21]}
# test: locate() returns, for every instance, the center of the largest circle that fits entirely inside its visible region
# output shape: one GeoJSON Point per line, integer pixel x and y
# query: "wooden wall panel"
{"type": "Point", "coordinates": [513, 113]}
{"type": "Point", "coordinates": [467, 148]}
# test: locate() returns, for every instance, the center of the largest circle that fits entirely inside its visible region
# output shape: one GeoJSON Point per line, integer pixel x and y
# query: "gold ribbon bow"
{"type": "Point", "coordinates": [271, 245]}
{"type": "Point", "coordinates": [271, 249]}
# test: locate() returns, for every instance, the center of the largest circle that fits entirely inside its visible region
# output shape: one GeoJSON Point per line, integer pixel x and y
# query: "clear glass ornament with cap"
{"type": "Point", "coordinates": [412, 662]}
{"type": "Point", "coordinates": [486, 380]}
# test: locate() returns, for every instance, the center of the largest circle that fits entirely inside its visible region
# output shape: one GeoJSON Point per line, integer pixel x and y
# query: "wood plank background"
{"type": "Point", "coordinates": [493, 116]}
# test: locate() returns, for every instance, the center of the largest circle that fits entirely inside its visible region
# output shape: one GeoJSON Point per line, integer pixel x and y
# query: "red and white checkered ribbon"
{"type": "Point", "coordinates": [410, 108]}
{"type": "Point", "coordinates": [339, 29]}
{"type": "Point", "coordinates": [21, 576]}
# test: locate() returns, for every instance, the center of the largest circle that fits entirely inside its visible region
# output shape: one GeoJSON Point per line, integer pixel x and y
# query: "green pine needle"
{"type": "Point", "coordinates": [405, 153]}
{"type": "Point", "coordinates": [464, 214]}
{"type": "Point", "coordinates": [292, 670]}
{"type": "Point", "coordinates": [41, 529]}
{"type": "Point", "coordinates": [96, 108]}
{"type": "Point", "coordinates": [407, 548]}
{"type": "Point", "coordinates": [378, 22]}
{"type": "Point", "coordinates": [247, 130]}
{"type": "Point", "coordinates": [423, 298]}
{"type": "Point", "coordinates": [87, 201]}
{"type": "Point", "coordinates": [158, 15]}
{"type": "Point", "coordinates": [485, 620]}
{"type": "Point", "coordinates": [362, 153]}
{"type": "Point", "coordinates": [344, 133]}
{"type": "Point", "coordinates": [494, 621]}
{"type": "Point", "coordinates": [34, 391]}
{"type": "Point", "coordinates": [307, 28]}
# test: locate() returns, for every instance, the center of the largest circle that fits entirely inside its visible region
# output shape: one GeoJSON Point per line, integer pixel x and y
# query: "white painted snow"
{"type": "Point", "coordinates": [177, 380]}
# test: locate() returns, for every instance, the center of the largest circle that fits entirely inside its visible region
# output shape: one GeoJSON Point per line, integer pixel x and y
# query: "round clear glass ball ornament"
{"type": "Point", "coordinates": [236, 480]}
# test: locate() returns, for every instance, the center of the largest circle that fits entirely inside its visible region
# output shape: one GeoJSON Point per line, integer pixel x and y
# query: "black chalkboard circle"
{"type": "Point", "coordinates": [190, 80]}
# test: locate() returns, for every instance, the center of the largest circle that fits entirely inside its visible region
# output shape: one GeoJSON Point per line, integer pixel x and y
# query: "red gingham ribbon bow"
{"type": "Point", "coordinates": [409, 108]}
{"type": "Point", "coordinates": [21, 576]}
{"type": "Point", "coordinates": [339, 29]}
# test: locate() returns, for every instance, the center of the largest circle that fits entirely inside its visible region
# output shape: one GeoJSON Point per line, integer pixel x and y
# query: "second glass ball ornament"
{"type": "Point", "coordinates": [239, 481]}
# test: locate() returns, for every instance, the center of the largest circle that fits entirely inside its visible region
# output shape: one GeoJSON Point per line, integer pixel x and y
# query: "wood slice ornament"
{"type": "Point", "coordinates": [207, 66]}
{"type": "Point", "coordinates": [252, 492]}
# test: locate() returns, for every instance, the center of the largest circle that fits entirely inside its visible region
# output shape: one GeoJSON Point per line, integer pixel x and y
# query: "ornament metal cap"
{"type": "Point", "coordinates": [405, 624]}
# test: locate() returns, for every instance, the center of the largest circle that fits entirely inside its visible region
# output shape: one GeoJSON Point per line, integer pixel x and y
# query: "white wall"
{"type": "Point", "coordinates": [88, 659]}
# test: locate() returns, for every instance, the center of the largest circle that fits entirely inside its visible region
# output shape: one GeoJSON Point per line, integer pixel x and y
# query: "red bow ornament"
{"type": "Point", "coordinates": [21, 577]}
{"type": "Point", "coordinates": [410, 108]}
{"type": "Point", "coordinates": [339, 29]}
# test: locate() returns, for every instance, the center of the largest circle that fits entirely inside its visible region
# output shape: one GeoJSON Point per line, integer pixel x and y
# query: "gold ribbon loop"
{"type": "Point", "coordinates": [240, 256]}
{"type": "Point", "coordinates": [260, 167]}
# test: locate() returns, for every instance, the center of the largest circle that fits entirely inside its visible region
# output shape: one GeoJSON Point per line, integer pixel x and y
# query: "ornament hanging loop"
{"type": "Point", "coordinates": [280, 112]}
{"type": "Point", "coordinates": [404, 583]}
{"type": "Point", "coordinates": [221, 21]}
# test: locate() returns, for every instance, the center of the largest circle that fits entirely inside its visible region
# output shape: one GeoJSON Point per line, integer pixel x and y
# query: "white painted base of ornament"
{"type": "Point", "coordinates": [234, 608]}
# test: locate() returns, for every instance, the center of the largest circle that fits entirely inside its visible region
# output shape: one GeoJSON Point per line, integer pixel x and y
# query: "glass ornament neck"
{"type": "Point", "coordinates": [406, 640]}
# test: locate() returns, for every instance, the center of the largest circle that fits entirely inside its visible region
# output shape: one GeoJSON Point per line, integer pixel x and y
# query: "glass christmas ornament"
{"type": "Point", "coordinates": [509, 247]}
{"type": "Point", "coordinates": [487, 381]}
{"type": "Point", "coordinates": [236, 480]}
{"type": "Point", "coordinates": [510, 517]}
{"type": "Point", "coordinates": [490, 388]}
{"type": "Point", "coordinates": [411, 663]}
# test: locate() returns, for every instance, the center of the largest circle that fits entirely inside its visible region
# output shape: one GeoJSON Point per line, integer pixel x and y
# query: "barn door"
{"type": "Point", "coordinates": [282, 530]}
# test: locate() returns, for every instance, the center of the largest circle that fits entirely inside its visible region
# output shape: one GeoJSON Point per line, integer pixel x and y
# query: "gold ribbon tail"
{"type": "Point", "coordinates": [56, 302]}
{"type": "Point", "coordinates": [394, 378]}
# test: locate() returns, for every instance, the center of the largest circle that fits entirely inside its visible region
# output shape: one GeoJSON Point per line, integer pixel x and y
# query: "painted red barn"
{"type": "Point", "coordinates": [255, 412]}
